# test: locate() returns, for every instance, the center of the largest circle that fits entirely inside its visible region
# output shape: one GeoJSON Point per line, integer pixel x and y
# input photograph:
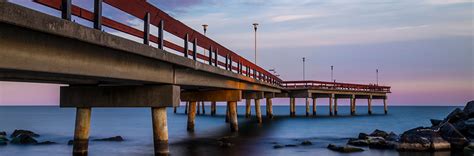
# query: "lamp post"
{"type": "Point", "coordinates": [377, 76]}
{"type": "Point", "coordinates": [332, 73]}
{"type": "Point", "coordinates": [303, 69]}
{"type": "Point", "coordinates": [204, 26]}
{"type": "Point", "coordinates": [255, 28]}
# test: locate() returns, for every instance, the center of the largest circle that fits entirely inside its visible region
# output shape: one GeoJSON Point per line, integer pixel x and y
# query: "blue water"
{"type": "Point", "coordinates": [134, 124]}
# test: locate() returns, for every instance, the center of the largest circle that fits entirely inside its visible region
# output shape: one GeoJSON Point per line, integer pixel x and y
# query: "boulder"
{"type": "Point", "coordinates": [422, 139]}
{"type": "Point", "coordinates": [46, 143]}
{"type": "Point", "coordinates": [358, 142]}
{"type": "Point", "coordinates": [3, 133]}
{"type": "Point", "coordinates": [392, 137]}
{"type": "Point", "coordinates": [290, 145]}
{"type": "Point", "coordinates": [224, 144]}
{"type": "Point", "coordinates": [379, 133]}
{"type": "Point", "coordinates": [455, 115]}
{"type": "Point", "coordinates": [306, 143]}
{"type": "Point", "coordinates": [469, 132]}
{"type": "Point", "coordinates": [469, 109]}
{"type": "Point", "coordinates": [19, 132]}
{"type": "Point", "coordinates": [344, 149]}
{"type": "Point", "coordinates": [453, 135]}
{"type": "Point", "coordinates": [469, 150]}
{"type": "Point", "coordinates": [3, 140]}
{"type": "Point", "coordinates": [435, 122]}
{"type": "Point", "coordinates": [24, 139]}
{"type": "Point", "coordinates": [380, 143]}
{"type": "Point", "coordinates": [363, 136]}
{"type": "Point", "coordinates": [115, 138]}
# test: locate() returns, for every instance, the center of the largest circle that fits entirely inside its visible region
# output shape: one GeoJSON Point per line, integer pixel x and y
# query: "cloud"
{"type": "Point", "coordinates": [286, 18]}
{"type": "Point", "coordinates": [446, 2]}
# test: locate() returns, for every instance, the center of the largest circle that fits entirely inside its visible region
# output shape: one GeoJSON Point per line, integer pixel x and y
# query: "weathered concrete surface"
{"type": "Point", "coordinates": [120, 96]}
{"type": "Point", "coordinates": [258, 112]}
{"type": "Point", "coordinates": [160, 130]}
{"type": "Point", "coordinates": [214, 95]}
{"type": "Point", "coordinates": [247, 108]}
{"type": "Point", "coordinates": [81, 132]}
{"type": "Point", "coordinates": [60, 51]}
{"type": "Point", "coordinates": [269, 107]}
{"type": "Point", "coordinates": [234, 124]}
{"type": "Point", "coordinates": [191, 116]}
{"type": "Point", "coordinates": [253, 95]}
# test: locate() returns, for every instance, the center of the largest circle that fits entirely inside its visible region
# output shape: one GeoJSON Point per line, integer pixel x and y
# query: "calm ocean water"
{"type": "Point", "coordinates": [134, 124]}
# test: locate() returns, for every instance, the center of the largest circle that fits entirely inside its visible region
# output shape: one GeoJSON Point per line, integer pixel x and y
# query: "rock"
{"type": "Point", "coordinates": [469, 109]}
{"type": "Point", "coordinates": [24, 139]}
{"type": "Point", "coordinates": [224, 144]}
{"type": "Point", "coordinates": [18, 132]}
{"type": "Point", "coordinates": [469, 150]}
{"type": "Point", "coordinates": [70, 142]}
{"type": "Point", "coordinates": [470, 128]}
{"type": "Point", "coordinates": [455, 115]}
{"type": "Point", "coordinates": [451, 134]}
{"type": "Point", "coordinates": [379, 133]}
{"type": "Point", "coordinates": [392, 137]}
{"type": "Point", "coordinates": [422, 139]}
{"type": "Point", "coordinates": [363, 135]}
{"type": "Point", "coordinates": [46, 143]}
{"type": "Point", "coordinates": [435, 122]}
{"type": "Point", "coordinates": [306, 143]}
{"type": "Point", "coordinates": [380, 143]}
{"type": "Point", "coordinates": [278, 146]}
{"type": "Point", "coordinates": [358, 142]}
{"type": "Point", "coordinates": [3, 140]}
{"type": "Point", "coordinates": [3, 133]}
{"type": "Point", "coordinates": [344, 149]}
{"type": "Point", "coordinates": [115, 138]}
{"type": "Point", "coordinates": [290, 145]}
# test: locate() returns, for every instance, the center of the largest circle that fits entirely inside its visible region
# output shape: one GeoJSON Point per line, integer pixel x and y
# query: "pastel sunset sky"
{"type": "Point", "coordinates": [423, 49]}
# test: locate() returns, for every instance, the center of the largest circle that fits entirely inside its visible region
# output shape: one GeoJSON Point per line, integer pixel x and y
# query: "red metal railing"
{"type": "Point", "coordinates": [334, 86]}
{"type": "Point", "coordinates": [154, 16]}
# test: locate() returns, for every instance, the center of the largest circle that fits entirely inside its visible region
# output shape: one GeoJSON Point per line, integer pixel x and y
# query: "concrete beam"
{"type": "Point", "coordinates": [253, 95]}
{"type": "Point", "coordinates": [269, 95]}
{"type": "Point", "coordinates": [282, 95]}
{"type": "Point", "coordinates": [214, 95]}
{"type": "Point", "coordinates": [300, 94]}
{"type": "Point", "coordinates": [120, 96]}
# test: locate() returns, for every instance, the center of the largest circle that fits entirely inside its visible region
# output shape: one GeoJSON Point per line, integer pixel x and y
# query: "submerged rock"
{"type": "Point", "coordinates": [290, 145]}
{"type": "Point", "coordinates": [469, 150]}
{"type": "Point", "coordinates": [379, 133]}
{"type": "Point", "coordinates": [358, 142]}
{"type": "Point", "coordinates": [46, 143]}
{"type": "Point", "coordinates": [363, 136]}
{"type": "Point", "coordinates": [422, 139]}
{"type": "Point", "coordinates": [344, 149]}
{"type": "Point", "coordinates": [380, 143]}
{"type": "Point", "coordinates": [469, 109]}
{"type": "Point", "coordinates": [23, 139]}
{"type": "Point", "coordinates": [435, 122]}
{"type": "Point", "coordinates": [306, 143]}
{"type": "Point", "coordinates": [224, 144]}
{"type": "Point", "coordinates": [278, 146]}
{"type": "Point", "coordinates": [3, 140]}
{"type": "Point", "coordinates": [115, 138]}
{"type": "Point", "coordinates": [2, 133]}
{"type": "Point", "coordinates": [70, 142]}
{"type": "Point", "coordinates": [19, 132]}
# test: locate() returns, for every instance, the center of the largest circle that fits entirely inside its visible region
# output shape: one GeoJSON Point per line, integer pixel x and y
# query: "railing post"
{"type": "Point", "coordinates": [66, 9]}
{"type": "Point", "coordinates": [160, 34]}
{"type": "Point", "coordinates": [98, 14]}
{"type": "Point", "coordinates": [210, 55]}
{"type": "Point", "coordinates": [195, 49]}
{"type": "Point", "coordinates": [216, 61]}
{"type": "Point", "coordinates": [230, 62]}
{"type": "Point", "coordinates": [146, 29]}
{"type": "Point", "coordinates": [186, 41]}
{"type": "Point", "coordinates": [227, 62]}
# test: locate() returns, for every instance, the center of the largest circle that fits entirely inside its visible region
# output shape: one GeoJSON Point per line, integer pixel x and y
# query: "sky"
{"type": "Point", "coordinates": [423, 49]}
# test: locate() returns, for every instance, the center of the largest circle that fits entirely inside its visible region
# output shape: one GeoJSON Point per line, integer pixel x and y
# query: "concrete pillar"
{"type": "Point", "coordinates": [354, 108]}
{"type": "Point", "coordinates": [258, 113]}
{"type": "Point", "coordinates": [307, 106]}
{"type": "Point", "coordinates": [335, 106]}
{"type": "Point", "coordinates": [191, 116]}
{"type": "Point", "coordinates": [203, 108]}
{"type": "Point", "coordinates": [247, 108]}
{"type": "Point", "coordinates": [314, 106]}
{"type": "Point", "coordinates": [369, 105]}
{"type": "Point", "coordinates": [385, 108]}
{"type": "Point", "coordinates": [234, 127]}
{"type": "Point", "coordinates": [330, 105]}
{"type": "Point", "coordinates": [187, 108]}
{"type": "Point", "coordinates": [81, 133]}
{"type": "Point", "coordinates": [198, 108]}
{"type": "Point", "coordinates": [174, 110]}
{"type": "Point", "coordinates": [269, 108]}
{"type": "Point", "coordinates": [213, 108]}
{"type": "Point", "coordinates": [227, 113]}
{"type": "Point", "coordinates": [160, 130]}
{"type": "Point", "coordinates": [292, 107]}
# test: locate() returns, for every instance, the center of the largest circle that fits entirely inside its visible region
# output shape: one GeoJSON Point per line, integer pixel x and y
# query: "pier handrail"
{"type": "Point", "coordinates": [334, 86]}
{"type": "Point", "coordinates": [154, 16]}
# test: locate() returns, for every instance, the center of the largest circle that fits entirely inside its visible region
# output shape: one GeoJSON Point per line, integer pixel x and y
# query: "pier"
{"type": "Point", "coordinates": [100, 69]}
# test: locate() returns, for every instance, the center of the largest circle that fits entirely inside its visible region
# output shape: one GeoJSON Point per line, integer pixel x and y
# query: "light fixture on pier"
{"type": "Point", "coordinates": [204, 26]}
{"type": "Point", "coordinates": [255, 28]}
{"type": "Point", "coordinates": [304, 59]}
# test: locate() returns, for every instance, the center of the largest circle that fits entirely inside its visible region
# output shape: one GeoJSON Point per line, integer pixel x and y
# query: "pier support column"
{"type": "Point", "coordinates": [307, 106]}
{"type": "Point", "coordinates": [213, 108]}
{"type": "Point", "coordinates": [174, 110]}
{"type": "Point", "coordinates": [160, 130]}
{"type": "Point", "coordinates": [314, 106]}
{"type": "Point", "coordinates": [335, 106]}
{"type": "Point", "coordinates": [227, 113]}
{"type": "Point", "coordinates": [198, 108]}
{"type": "Point", "coordinates": [369, 105]}
{"type": "Point", "coordinates": [292, 107]}
{"type": "Point", "coordinates": [203, 108]}
{"type": "Point", "coordinates": [352, 105]}
{"type": "Point", "coordinates": [247, 108]}
{"type": "Point", "coordinates": [354, 108]}
{"type": "Point", "coordinates": [191, 116]}
{"type": "Point", "coordinates": [385, 108]}
{"type": "Point", "coordinates": [269, 108]}
{"type": "Point", "coordinates": [330, 104]}
{"type": "Point", "coordinates": [81, 133]}
{"type": "Point", "coordinates": [258, 113]}
{"type": "Point", "coordinates": [234, 127]}
{"type": "Point", "coordinates": [187, 108]}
